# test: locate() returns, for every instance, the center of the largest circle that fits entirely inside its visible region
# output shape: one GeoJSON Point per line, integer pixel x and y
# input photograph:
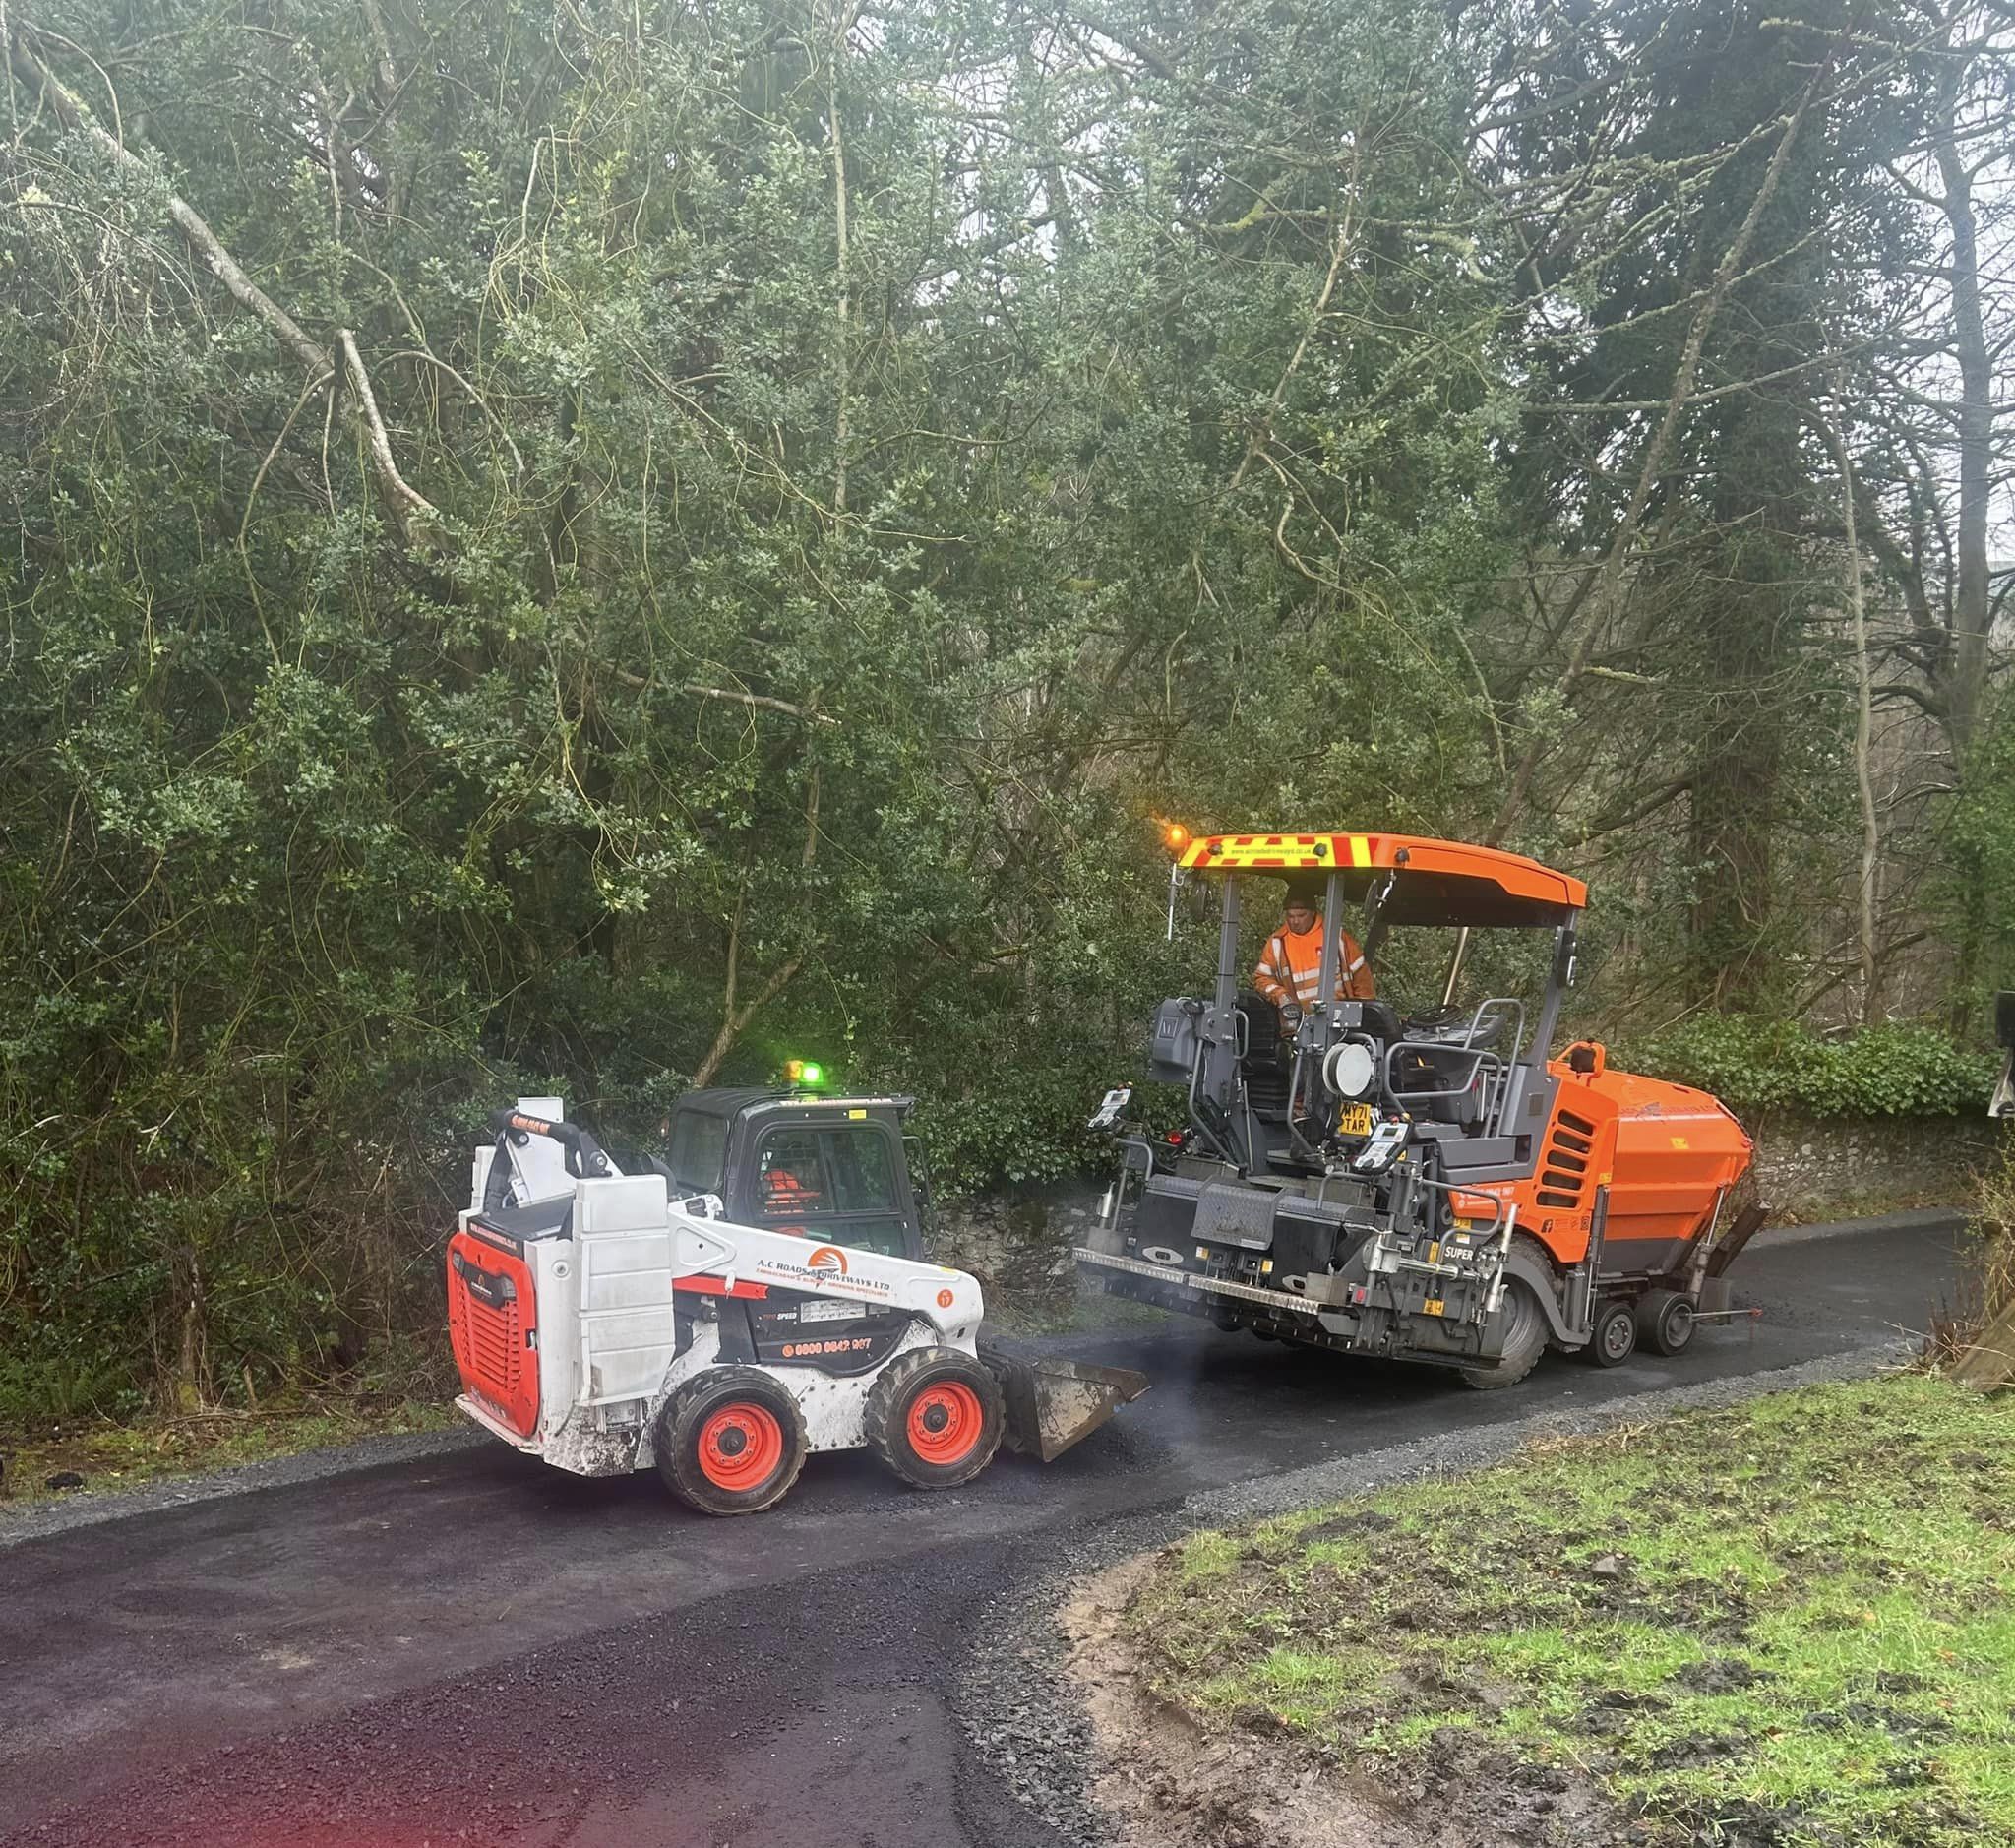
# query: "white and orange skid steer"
{"type": "Point", "coordinates": [761, 1297]}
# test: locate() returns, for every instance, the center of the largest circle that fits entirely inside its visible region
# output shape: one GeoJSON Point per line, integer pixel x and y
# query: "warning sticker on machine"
{"type": "Point", "coordinates": [828, 1312]}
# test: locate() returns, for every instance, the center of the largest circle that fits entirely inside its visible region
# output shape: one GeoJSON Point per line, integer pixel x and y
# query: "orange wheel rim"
{"type": "Point", "coordinates": [741, 1446]}
{"type": "Point", "coordinates": [945, 1422]}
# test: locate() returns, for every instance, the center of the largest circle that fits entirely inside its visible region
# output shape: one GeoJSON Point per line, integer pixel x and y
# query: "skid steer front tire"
{"type": "Point", "coordinates": [730, 1441]}
{"type": "Point", "coordinates": [935, 1417]}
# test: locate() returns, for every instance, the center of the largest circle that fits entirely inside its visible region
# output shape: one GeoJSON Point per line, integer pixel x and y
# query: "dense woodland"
{"type": "Point", "coordinates": [555, 544]}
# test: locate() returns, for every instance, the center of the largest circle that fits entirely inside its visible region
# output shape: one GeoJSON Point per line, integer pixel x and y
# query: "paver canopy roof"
{"type": "Point", "coordinates": [1440, 882]}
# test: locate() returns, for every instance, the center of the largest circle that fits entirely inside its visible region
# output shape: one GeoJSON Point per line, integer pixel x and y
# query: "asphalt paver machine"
{"type": "Point", "coordinates": [1433, 1186]}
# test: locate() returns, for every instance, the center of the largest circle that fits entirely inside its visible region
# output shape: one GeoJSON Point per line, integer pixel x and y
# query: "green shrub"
{"type": "Point", "coordinates": [1756, 1065]}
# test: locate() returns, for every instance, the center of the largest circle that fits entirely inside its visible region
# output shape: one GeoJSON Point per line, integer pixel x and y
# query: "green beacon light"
{"type": "Point", "coordinates": [806, 1071]}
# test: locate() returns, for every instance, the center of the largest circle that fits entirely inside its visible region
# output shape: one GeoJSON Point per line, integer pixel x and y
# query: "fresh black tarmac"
{"type": "Point", "coordinates": [467, 1646]}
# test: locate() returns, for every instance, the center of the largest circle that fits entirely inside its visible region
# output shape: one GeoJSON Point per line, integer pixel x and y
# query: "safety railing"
{"type": "Point", "coordinates": [1485, 1075]}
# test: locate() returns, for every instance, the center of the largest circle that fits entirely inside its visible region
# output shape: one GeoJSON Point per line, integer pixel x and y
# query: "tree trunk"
{"type": "Point", "coordinates": [843, 317]}
{"type": "Point", "coordinates": [1609, 573]}
{"type": "Point", "coordinates": [734, 1019]}
{"type": "Point", "coordinates": [1863, 723]}
{"type": "Point", "coordinates": [186, 1387]}
{"type": "Point", "coordinates": [1970, 607]}
{"type": "Point", "coordinates": [1750, 621]}
{"type": "Point", "coordinates": [1735, 799]}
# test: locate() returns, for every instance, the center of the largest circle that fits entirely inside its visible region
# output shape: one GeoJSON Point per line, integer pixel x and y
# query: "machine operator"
{"type": "Point", "coordinates": [1290, 969]}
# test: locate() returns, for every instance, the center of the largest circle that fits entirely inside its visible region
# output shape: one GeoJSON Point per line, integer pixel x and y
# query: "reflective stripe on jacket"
{"type": "Point", "coordinates": [1291, 970]}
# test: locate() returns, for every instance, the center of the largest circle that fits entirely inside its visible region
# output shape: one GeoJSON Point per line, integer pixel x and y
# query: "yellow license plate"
{"type": "Point", "coordinates": [1356, 1120]}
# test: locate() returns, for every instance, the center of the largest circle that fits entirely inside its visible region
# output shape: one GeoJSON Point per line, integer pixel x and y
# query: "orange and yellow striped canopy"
{"type": "Point", "coordinates": [1444, 881]}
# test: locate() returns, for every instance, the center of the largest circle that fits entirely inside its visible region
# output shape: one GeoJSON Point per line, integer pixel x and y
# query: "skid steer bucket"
{"type": "Point", "coordinates": [1053, 1402]}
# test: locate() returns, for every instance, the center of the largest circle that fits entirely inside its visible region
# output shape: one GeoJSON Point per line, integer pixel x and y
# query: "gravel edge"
{"type": "Point", "coordinates": [41, 1519]}
{"type": "Point", "coordinates": [1017, 1700]}
{"type": "Point", "coordinates": [1456, 1452]}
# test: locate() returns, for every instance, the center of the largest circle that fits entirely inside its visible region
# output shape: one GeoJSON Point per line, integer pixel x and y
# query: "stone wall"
{"type": "Point", "coordinates": [1838, 1168]}
{"type": "Point", "coordinates": [1019, 1242]}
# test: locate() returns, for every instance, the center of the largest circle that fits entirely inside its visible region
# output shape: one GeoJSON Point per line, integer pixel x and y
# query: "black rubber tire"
{"type": "Point", "coordinates": [1665, 1322]}
{"type": "Point", "coordinates": [675, 1445]}
{"type": "Point", "coordinates": [909, 1378]}
{"type": "Point", "coordinates": [1524, 1342]}
{"type": "Point", "coordinates": [1611, 1335]}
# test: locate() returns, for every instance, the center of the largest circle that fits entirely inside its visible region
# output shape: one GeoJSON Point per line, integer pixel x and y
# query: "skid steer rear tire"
{"type": "Point", "coordinates": [1524, 1342]}
{"type": "Point", "coordinates": [935, 1417]}
{"type": "Point", "coordinates": [730, 1441]}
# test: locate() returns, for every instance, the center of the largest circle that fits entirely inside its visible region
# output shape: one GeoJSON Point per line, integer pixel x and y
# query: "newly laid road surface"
{"type": "Point", "coordinates": [477, 1648]}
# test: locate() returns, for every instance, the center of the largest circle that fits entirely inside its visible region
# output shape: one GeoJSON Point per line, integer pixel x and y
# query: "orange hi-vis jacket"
{"type": "Point", "coordinates": [786, 1195]}
{"type": "Point", "coordinates": [1291, 970]}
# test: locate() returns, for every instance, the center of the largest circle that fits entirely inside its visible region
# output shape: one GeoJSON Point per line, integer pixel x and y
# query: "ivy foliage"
{"type": "Point", "coordinates": [1755, 1063]}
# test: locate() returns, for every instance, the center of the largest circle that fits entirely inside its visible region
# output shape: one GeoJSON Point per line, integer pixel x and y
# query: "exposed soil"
{"type": "Point", "coordinates": [1170, 1782]}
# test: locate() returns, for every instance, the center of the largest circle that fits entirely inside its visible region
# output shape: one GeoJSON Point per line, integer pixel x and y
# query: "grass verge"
{"type": "Point", "coordinates": [1790, 1622]}
{"type": "Point", "coordinates": [106, 1455]}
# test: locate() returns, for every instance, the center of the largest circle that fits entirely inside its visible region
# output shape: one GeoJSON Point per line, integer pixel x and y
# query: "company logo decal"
{"type": "Point", "coordinates": [824, 1269]}
{"type": "Point", "coordinates": [944, 1299]}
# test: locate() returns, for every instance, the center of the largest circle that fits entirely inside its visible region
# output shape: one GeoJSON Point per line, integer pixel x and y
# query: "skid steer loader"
{"type": "Point", "coordinates": [760, 1295]}
{"type": "Point", "coordinates": [1431, 1186]}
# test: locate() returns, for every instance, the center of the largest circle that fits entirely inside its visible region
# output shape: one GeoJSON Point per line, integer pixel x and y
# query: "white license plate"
{"type": "Point", "coordinates": [827, 1311]}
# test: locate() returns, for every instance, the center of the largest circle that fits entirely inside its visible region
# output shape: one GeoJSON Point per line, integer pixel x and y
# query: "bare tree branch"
{"type": "Point", "coordinates": [1660, 440]}
{"type": "Point", "coordinates": [762, 700]}
{"type": "Point", "coordinates": [410, 505]}
{"type": "Point", "coordinates": [414, 512]}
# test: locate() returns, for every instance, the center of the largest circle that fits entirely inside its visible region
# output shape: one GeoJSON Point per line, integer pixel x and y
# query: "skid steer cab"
{"type": "Point", "coordinates": [1415, 1175]}
{"type": "Point", "coordinates": [760, 1294]}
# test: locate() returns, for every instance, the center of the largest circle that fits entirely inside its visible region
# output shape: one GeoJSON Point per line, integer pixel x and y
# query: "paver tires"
{"type": "Point", "coordinates": [730, 1441]}
{"type": "Point", "coordinates": [1613, 1337]}
{"type": "Point", "coordinates": [935, 1417]}
{"type": "Point", "coordinates": [1525, 1340]}
{"type": "Point", "coordinates": [1665, 1322]}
